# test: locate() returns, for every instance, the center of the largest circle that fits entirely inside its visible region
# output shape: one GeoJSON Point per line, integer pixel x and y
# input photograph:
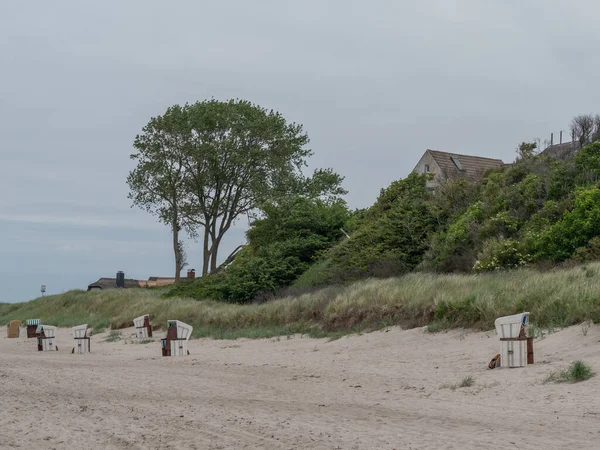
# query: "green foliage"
{"type": "Point", "coordinates": [536, 209]}
{"type": "Point", "coordinates": [318, 274]}
{"type": "Point", "coordinates": [575, 229]}
{"type": "Point", "coordinates": [201, 166]}
{"type": "Point", "coordinates": [526, 149]}
{"type": "Point", "coordinates": [454, 248]}
{"type": "Point", "coordinates": [578, 371]}
{"type": "Point", "coordinates": [499, 253]}
{"type": "Point", "coordinates": [587, 164]}
{"type": "Point", "coordinates": [208, 287]}
{"type": "Point", "coordinates": [282, 245]}
{"type": "Point", "coordinates": [561, 179]}
{"type": "Point", "coordinates": [393, 235]}
{"type": "Point", "coordinates": [589, 253]}
{"type": "Point", "coordinates": [114, 336]}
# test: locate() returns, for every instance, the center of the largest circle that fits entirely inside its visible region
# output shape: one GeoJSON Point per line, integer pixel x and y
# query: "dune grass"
{"type": "Point", "coordinates": [114, 336]}
{"type": "Point", "coordinates": [467, 381]}
{"type": "Point", "coordinates": [578, 371]}
{"type": "Point", "coordinates": [555, 299]}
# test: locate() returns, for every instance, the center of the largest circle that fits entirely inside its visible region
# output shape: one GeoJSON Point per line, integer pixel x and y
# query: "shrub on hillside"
{"type": "Point", "coordinates": [205, 288]}
{"type": "Point", "coordinates": [393, 236]}
{"type": "Point", "coordinates": [587, 163]}
{"type": "Point", "coordinates": [589, 253]}
{"type": "Point", "coordinates": [454, 249]}
{"type": "Point", "coordinates": [500, 254]}
{"type": "Point", "coordinates": [282, 245]}
{"type": "Point", "coordinates": [575, 229]}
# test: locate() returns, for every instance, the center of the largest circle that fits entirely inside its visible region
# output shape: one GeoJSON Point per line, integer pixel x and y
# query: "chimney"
{"type": "Point", "coordinates": [551, 138]}
{"type": "Point", "coordinates": [120, 279]}
{"type": "Point", "coordinates": [561, 137]}
{"type": "Point", "coordinates": [191, 274]}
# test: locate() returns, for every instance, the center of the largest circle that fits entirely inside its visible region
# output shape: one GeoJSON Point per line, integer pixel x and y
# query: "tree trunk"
{"type": "Point", "coordinates": [176, 249]}
{"type": "Point", "coordinates": [206, 253]}
{"type": "Point", "coordinates": [213, 253]}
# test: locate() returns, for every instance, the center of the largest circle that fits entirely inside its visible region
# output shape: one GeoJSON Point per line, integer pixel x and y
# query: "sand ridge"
{"type": "Point", "coordinates": [381, 390]}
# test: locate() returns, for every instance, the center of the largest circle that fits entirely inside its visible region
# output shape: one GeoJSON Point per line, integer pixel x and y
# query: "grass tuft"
{"type": "Point", "coordinates": [467, 381]}
{"type": "Point", "coordinates": [114, 336]}
{"type": "Point", "coordinates": [578, 371]}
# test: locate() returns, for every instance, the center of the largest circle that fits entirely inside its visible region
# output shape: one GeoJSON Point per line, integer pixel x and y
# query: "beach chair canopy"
{"type": "Point", "coordinates": [80, 330]}
{"type": "Point", "coordinates": [184, 331]}
{"type": "Point", "coordinates": [49, 330]}
{"type": "Point", "coordinates": [510, 326]}
{"type": "Point", "coordinates": [139, 321]}
{"type": "Point", "coordinates": [31, 322]}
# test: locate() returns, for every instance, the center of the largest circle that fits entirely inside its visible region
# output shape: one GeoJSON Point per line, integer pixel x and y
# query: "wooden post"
{"type": "Point", "coordinates": [529, 350]}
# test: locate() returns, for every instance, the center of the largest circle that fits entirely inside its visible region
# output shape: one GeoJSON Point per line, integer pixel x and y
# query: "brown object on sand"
{"type": "Point", "coordinates": [13, 329]}
{"type": "Point", "coordinates": [166, 343]}
{"type": "Point", "coordinates": [529, 350]}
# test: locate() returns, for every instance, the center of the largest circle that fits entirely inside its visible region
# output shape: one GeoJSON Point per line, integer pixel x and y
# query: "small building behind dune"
{"type": "Point", "coordinates": [120, 282]}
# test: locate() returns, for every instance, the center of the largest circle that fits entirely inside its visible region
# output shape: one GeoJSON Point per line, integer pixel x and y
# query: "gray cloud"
{"type": "Point", "coordinates": [374, 83]}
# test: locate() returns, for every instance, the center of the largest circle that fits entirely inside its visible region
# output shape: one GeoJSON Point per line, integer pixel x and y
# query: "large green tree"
{"type": "Point", "coordinates": [234, 156]}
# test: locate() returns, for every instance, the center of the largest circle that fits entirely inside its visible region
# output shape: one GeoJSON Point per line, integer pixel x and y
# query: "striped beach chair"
{"type": "Point", "coordinates": [32, 325]}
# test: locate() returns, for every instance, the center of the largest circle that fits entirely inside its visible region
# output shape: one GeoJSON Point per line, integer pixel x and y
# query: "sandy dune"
{"type": "Point", "coordinates": [379, 390]}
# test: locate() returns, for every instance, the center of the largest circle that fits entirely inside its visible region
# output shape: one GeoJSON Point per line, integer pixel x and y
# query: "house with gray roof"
{"type": "Point", "coordinates": [451, 166]}
{"type": "Point", "coordinates": [564, 150]}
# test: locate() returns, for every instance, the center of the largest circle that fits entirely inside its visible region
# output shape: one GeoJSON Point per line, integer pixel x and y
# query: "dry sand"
{"type": "Point", "coordinates": [379, 390]}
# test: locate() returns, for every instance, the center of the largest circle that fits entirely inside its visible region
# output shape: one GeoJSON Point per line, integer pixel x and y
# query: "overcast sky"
{"type": "Point", "coordinates": [374, 84]}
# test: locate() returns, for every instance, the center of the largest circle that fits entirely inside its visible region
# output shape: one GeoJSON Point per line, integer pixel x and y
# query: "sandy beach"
{"type": "Point", "coordinates": [383, 390]}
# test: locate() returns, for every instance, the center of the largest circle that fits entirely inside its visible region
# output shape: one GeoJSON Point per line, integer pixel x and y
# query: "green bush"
{"type": "Point", "coordinates": [589, 253]}
{"type": "Point", "coordinates": [282, 245]}
{"type": "Point", "coordinates": [575, 229]}
{"type": "Point", "coordinates": [502, 254]}
{"type": "Point", "coordinates": [393, 236]}
{"type": "Point", "coordinates": [454, 248]}
{"type": "Point", "coordinates": [205, 288]}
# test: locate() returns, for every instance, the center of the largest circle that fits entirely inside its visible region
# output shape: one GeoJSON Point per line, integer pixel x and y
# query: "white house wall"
{"type": "Point", "coordinates": [427, 159]}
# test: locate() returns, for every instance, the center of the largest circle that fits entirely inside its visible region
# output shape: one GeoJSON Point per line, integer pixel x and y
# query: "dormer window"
{"type": "Point", "coordinates": [457, 163]}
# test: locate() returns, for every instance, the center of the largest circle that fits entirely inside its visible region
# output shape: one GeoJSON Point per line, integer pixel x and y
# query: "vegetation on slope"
{"type": "Point", "coordinates": [282, 245]}
{"type": "Point", "coordinates": [555, 299]}
{"type": "Point", "coordinates": [534, 212]}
